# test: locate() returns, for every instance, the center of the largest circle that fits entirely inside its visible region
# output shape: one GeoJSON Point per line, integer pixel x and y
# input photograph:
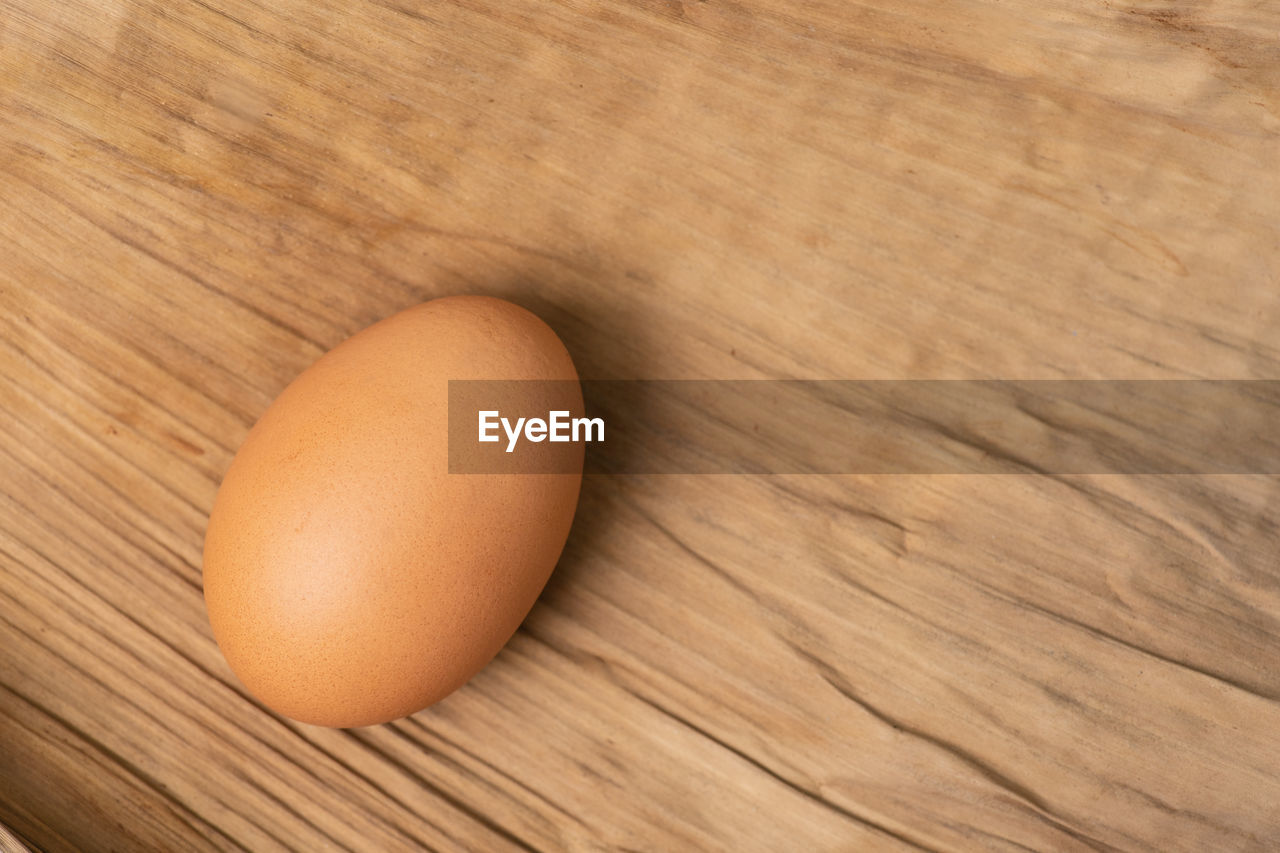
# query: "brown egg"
{"type": "Point", "coordinates": [350, 578]}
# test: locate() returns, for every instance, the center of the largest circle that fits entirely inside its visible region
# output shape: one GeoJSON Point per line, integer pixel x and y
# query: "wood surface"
{"type": "Point", "coordinates": [199, 197]}
{"type": "Point", "coordinates": [9, 843]}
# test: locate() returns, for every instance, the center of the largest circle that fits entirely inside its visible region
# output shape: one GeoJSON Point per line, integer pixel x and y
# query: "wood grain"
{"type": "Point", "coordinates": [9, 843]}
{"type": "Point", "coordinates": [198, 197]}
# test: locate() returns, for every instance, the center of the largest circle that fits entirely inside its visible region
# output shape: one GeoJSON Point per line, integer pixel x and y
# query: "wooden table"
{"type": "Point", "coordinates": [199, 197]}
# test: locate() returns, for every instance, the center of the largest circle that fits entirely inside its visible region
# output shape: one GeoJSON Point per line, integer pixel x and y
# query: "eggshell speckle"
{"type": "Point", "coordinates": [350, 578]}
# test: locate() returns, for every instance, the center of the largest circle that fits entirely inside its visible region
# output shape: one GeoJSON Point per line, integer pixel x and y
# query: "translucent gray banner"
{"type": "Point", "coordinates": [868, 427]}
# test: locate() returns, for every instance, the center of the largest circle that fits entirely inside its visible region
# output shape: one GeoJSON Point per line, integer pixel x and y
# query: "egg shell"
{"type": "Point", "coordinates": [350, 579]}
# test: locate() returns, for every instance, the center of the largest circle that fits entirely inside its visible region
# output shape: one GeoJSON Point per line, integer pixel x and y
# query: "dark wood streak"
{"type": "Point", "coordinates": [268, 38]}
{"type": "Point", "coordinates": [245, 774]}
{"type": "Point", "coordinates": [754, 762]}
{"type": "Point", "coordinates": [413, 14]}
{"type": "Point", "coordinates": [759, 765]}
{"type": "Point", "coordinates": [175, 267]}
{"type": "Point", "coordinates": [114, 756]}
{"type": "Point", "coordinates": [227, 684]}
{"type": "Point", "coordinates": [897, 529]}
{"type": "Point", "coordinates": [1258, 692]}
{"type": "Point", "coordinates": [145, 171]}
{"type": "Point", "coordinates": [8, 810]}
{"type": "Point", "coordinates": [1198, 817]}
{"type": "Point", "coordinates": [367, 780]}
{"type": "Point", "coordinates": [419, 746]}
{"type": "Point", "coordinates": [304, 203]}
{"type": "Point", "coordinates": [175, 806]}
{"type": "Point", "coordinates": [1199, 329]}
{"type": "Point", "coordinates": [1033, 804]}
{"type": "Point", "coordinates": [491, 240]}
{"type": "Point", "coordinates": [457, 802]}
{"type": "Point", "coordinates": [124, 696]}
{"type": "Point", "coordinates": [1019, 791]}
{"type": "Point", "coordinates": [244, 415]}
{"type": "Point", "coordinates": [702, 560]}
{"type": "Point", "coordinates": [119, 381]}
{"type": "Point", "coordinates": [114, 451]}
{"type": "Point", "coordinates": [780, 610]}
{"type": "Point", "coordinates": [190, 581]}
{"type": "Point", "coordinates": [414, 722]}
{"type": "Point", "coordinates": [190, 661]}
